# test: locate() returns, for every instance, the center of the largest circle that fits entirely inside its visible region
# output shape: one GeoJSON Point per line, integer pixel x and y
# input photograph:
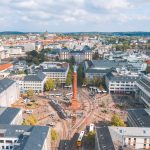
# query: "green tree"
{"type": "Point", "coordinates": [90, 138]}
{"type": "Point", "coordinates": [30, 120]}
{"type": "Point", "coordinates": [117, 121]}
{"type": "Point", "coordinates": [80, 74]}
{"type": "Point", "coordinates": [69, 77]}
{"type": "Point", "coordinates": [50, 85]}
{"type": "Point", "coordinates": [72, 61]}
{"type": "Point", "coordinates": [96, 56]}
{"type": "Point", "coordinates": [54, 134]}
{"type": "Point", "coordinates": [30, 93]}
{"type": "Point", "coordinates": [85, 81]}
{"type": "Point", "coordinates": [57, 82]}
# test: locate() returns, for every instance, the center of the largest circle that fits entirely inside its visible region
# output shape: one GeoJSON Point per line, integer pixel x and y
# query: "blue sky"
{"type": "Point", "coordinates": [75, 15]}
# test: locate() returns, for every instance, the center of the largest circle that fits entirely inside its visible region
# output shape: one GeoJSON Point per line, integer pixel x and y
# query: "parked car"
{"type": "Point", "coordinates": [29, 111]}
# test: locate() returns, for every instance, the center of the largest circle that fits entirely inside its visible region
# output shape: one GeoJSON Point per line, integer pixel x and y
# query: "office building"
{"type": "Point", "coordinates": [18, 137]}
{"type": "Point", "coordinates": [56, 70]}
{"type": "Point", "coordinates": [113, 138]}
{"type": "Point", "coordinates": [143, 90]}
{"type": "Point", "coordinates": [33, 81]}
{"type": "Point", "coordinates": [121, 83]}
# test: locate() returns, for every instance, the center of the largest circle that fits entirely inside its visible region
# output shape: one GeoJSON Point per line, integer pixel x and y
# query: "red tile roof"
{"type": "Point", "coordinates": [5, 66]}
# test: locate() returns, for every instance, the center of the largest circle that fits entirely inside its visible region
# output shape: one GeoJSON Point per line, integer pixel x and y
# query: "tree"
{"type": "Point", "coordinates": [69, 77]}
{"type": "Point", "coordinates": [57, 82]}
{"type": "Point", "coordinates": [85, 81]}
{"type": "Point", "coordinates": [90, 138]}
{"type": "Point", "coordinates": [50, 85]}
{"type": "Point", "coordinates": [30, 120]}
{"type": "Point", "coordinates": [72, 61]}
{"type": "Point", "coordinates": [96, 56]}
{"type": "Point", "coordinates": [30, 93]}
{"type": "Point", "coordinates": [80, 74]}
{"type": "Point", "coordinates": [54, 134]}
{"type": "Point", "coordinates": [117, 121]}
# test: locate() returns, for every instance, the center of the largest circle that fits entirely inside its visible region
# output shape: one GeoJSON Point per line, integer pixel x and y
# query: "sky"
{"type": "Point", "coordinates": [75, 15]}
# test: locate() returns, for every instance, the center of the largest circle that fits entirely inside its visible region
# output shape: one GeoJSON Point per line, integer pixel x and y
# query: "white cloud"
{"type": "Point", "coordinates": [72, 13]}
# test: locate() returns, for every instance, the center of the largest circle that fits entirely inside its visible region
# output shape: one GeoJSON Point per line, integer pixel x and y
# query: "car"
{"type": "Point", "coordinates": [29, 111]}
{"type": "Point", "coordinates": [51, 124]}
{"type": "Point", "coordinates": [26, 100]}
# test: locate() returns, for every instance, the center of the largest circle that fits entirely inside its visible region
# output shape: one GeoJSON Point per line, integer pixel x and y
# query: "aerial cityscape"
{"type": "Point", "coordinates": [74, 75]}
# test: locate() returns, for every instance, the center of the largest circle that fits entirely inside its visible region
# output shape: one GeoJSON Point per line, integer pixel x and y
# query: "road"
{"type": "Point", "coordinates": [73, 132]}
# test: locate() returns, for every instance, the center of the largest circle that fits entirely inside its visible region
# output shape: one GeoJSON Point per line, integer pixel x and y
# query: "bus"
{"type": "Point", "coordinates": [69, 94]}
{"type": "Point", "coordinates": [91, 127]}
{"type": "Point", "coordinates": [80, 138]}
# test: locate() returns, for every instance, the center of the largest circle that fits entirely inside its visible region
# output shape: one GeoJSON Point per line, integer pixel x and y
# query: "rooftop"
{"type": "Point", "coordinates": [35, 77]}
{"type": "Point", "coordinates": [5, 66]}
{"type": "Point", "coordinates": [103, 139]}
{"type": "Point", "coordinates": [8, 114]}
{"type": "Point", "coordinates": [29, 137]}
{"type": "Point", "coordinates": [141, 117]}
{"type": "Point", "coordinates": [5, 83]}
{"type": "Point", "coordinates": [114, 76]}
{"type": "Point", "coordinates": [145, 83]}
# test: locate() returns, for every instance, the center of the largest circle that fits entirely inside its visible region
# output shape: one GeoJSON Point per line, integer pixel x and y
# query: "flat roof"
{"type": "Point", "coordinates": [29, 137]}
{"type": "Point", "coordinates": [5, 83]}
{"type": "Point", "coordinates": [141, 117]}
{"type": "Point", "coordinates": [103, 139]}
{"type": "Point", "coordinates": [7, 114]}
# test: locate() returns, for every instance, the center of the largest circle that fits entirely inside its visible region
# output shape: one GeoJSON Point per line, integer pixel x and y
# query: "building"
{"type": "Point", "coordinates": [34, 81]}
{"type": "Point", "coordinates": [138, 117]}
{"type": "Point", "coordinates": [5, 70]}
{"type": "Point", "coordinates": [12, 116]}
{"type": "Point", "coordinates": [18, 137]}
{"type": "Point", "coordinates": [148, 66]}
{"type": "Point", "coordinates": [121, 83]}
{"type": "Point", "coordinates": [53, 46]}
{"type": "Point", "coordinates": [56, 70]}
{"type": "Point", "coordinates": [9, 92]}
{"type": "Point", "coordinates": [98, 68]}
{"type": "Point", "coordinates": [79, 55]}
{"type": "Point", "coordinates": [143, 90]}
{"type": "Point", "coordinates": [64, 54]}
{"type": "Point", "coordinates": [127, 138]}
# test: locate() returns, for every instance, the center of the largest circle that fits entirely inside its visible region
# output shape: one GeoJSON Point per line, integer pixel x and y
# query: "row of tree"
{"type": "Point", "coordinates": [34, 57]}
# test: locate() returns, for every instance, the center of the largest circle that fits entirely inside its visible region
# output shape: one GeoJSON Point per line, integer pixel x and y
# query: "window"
{"type": "Point", "coordinates": [8, 141]}
{"type": "Point", "coordinates": [1, 141]}
{"type": "Point", "coordinates": [7, 147]}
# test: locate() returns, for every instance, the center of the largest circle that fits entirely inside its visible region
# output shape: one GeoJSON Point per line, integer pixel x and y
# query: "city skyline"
{"type": "Point", "coordinates": [75, 15]}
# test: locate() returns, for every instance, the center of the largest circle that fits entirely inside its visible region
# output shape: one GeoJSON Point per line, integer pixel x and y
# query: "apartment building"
{"type": "Point", "coordinates": [119, 83]}
{"type": "Point", "coordinates": [143, 90]}
{"type": "Point", "coordinates": [56, 70]}
{"type": "Point", "coordinates": [9, 92]}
